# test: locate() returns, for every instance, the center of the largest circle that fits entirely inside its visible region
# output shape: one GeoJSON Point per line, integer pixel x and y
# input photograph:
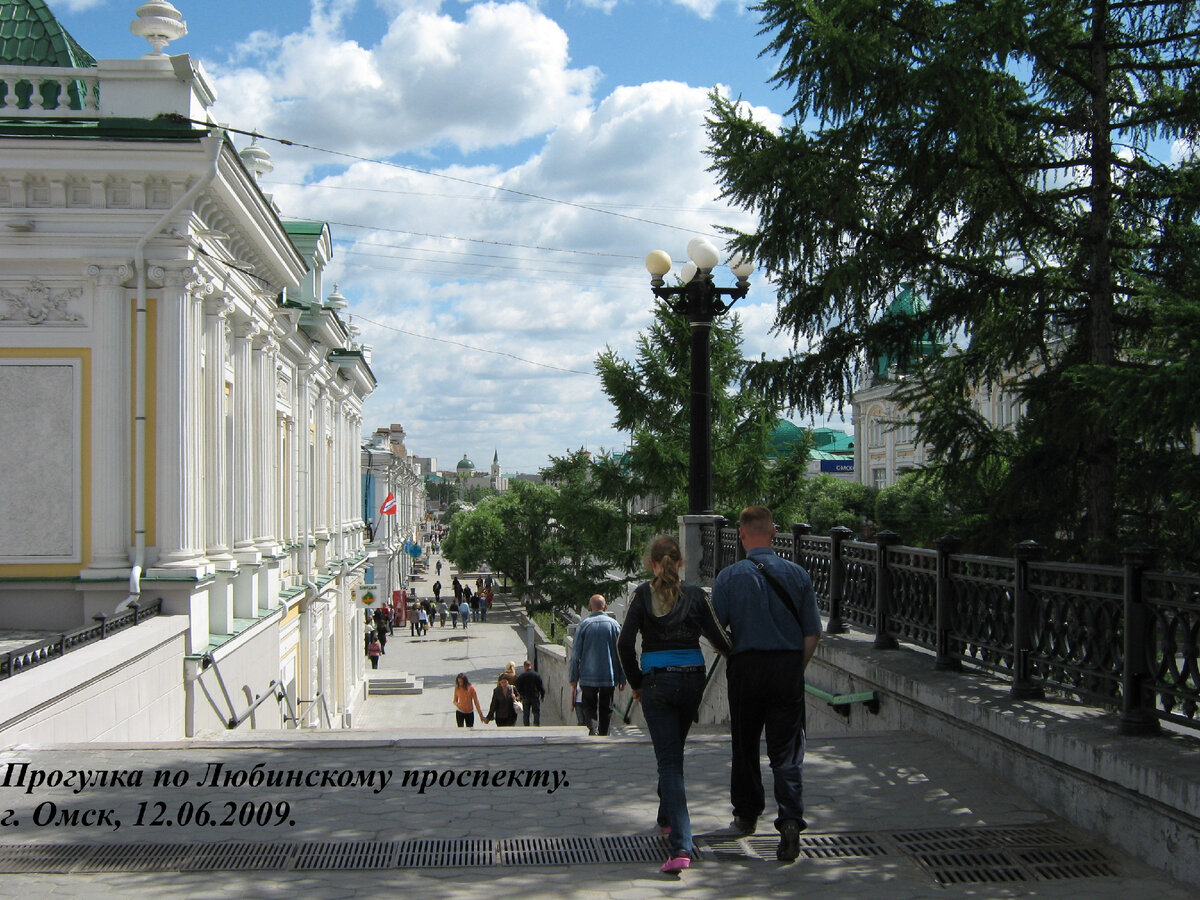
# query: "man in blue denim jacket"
{"type": "Point", "coordinates": [771, 648]}
{"type": "Point", "coordinates": [595, 665]}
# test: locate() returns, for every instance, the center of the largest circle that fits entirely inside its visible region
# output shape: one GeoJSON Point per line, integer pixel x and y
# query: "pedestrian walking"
{"type": "Point", "coordinates": [442, 610]}
{"type": "Point", "coordinates": [670, 617]}
{"type": "Point", "coordinates": [373, 650]}
{"type": "Point", "coordinates": [465, 698]}
{"type": "Point", "coordinates": [422, 622]}
{"type": "Point", "coordinates": [464, 613]}
{"type": "Point", "coordinates": [595, 665]}
{"type": "Point", "coordinates": [769, 604]}
{"type": "Point", "coordinates": [503, 708]}
{"type": "Point", "coordinates": [532, 691]}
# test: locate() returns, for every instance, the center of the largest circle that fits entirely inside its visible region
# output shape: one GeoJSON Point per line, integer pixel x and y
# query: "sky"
{"type": "Point", "coordinates": [494, 175]}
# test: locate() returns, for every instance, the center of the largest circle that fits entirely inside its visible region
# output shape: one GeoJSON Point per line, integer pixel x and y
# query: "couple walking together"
{"type": "Point", "coordinates": [769, 606]}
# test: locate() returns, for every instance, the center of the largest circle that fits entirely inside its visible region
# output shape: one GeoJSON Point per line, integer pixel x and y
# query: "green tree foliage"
{"type": "Point", "coordinates": [827, 502]}
{"type": "Point", "coordinates": [651, 395]}
{"type": "Point", "coordinates": [558, 542]}
{"type": "Point", "coordinates": [1014, 160]}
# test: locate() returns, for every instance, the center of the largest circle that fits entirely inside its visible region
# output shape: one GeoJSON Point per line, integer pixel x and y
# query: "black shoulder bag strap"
{"type": "Point", "coordinates": [780, 592]}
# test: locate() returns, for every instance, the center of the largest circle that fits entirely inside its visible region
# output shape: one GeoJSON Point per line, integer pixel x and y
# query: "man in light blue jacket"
{"type": "Point", "coordinates": [595, 666]}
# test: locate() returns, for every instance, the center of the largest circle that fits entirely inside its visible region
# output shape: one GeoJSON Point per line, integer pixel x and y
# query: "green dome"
{"type": "Point", "coordinates": [465, 465]}
{"type": "Point", "coordinates": [31, 36]}
{"type": "Point", "coordinates": [906, 304]}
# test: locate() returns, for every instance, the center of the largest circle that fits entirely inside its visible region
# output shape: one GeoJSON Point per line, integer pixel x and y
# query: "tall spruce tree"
{"type": "Point", "coordinates": [1030, 165]}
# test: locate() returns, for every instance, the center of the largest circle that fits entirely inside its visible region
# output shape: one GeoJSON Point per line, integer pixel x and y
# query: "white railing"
{"type": "Point", "coordinates": [46, 92]}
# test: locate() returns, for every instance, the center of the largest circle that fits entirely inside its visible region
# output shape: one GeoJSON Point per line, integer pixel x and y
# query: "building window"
{"type": "Point", "coordinates": [875, 433]}
{"type": "Point", "coordinates": [879, 478]}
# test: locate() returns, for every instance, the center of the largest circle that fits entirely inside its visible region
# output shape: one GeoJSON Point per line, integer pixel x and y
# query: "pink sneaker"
{"type": "Point", "coordinates": [676, 864]}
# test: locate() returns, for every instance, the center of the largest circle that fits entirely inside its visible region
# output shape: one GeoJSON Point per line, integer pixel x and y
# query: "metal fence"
{"type": "Point", "coordinates": [56, 646]}
{"type": "Point", "coordinates": [1125, 637]}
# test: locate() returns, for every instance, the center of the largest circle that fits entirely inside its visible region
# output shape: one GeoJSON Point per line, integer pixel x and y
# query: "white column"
{"type": "Point", "coordinates": [177, 434]}
{"type": "Point", "coordinates": [111, 415]}
{"type": "Point", "coordinates": [245, 440]}
{"type": "Point", "coordinates": [216, 521]}
{"type": "Point", "coordinates": [266, 484]}
{"type": "Point", "coordinates": [319, 477]}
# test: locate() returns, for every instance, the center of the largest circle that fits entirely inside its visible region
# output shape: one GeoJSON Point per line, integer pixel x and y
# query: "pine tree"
{"type": "Point", "coordinates": [1029, 165]}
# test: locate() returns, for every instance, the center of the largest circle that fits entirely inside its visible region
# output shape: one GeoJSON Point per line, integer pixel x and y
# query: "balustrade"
{"type": "Point", "coordinates": [1124, 637]}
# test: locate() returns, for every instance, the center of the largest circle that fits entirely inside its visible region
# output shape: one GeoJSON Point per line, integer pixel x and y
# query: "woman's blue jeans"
{"type": "Point", "coordinates": [669, 703]}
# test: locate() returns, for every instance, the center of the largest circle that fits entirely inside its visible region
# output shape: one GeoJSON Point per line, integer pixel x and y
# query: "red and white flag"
{"type": "Point", "coordinates": [389, 505]}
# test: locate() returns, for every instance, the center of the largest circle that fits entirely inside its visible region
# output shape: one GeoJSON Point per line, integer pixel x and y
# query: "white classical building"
{"type": "Point", "coordinates": [181, 413]}
{"type": "Point", "coordinates": [886, 445]}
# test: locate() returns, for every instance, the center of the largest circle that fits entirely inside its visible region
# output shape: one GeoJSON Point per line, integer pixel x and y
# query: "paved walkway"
{"type": "Point", "coordinates": [522, 813]}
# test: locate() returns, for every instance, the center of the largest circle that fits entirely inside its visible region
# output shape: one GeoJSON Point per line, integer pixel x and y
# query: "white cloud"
{"type": "Point", "coordinates": [77, 6]}
{"type": "Point", "coordinates": [448, 264]}
{"type": "Point", "coordinates": [498, 76]}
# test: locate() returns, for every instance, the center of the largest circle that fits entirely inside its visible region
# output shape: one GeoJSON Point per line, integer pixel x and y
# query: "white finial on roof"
{"type": "Point", "coordinates": [159, 23]}
{"type": "Point", "coordinates": [257, 159]}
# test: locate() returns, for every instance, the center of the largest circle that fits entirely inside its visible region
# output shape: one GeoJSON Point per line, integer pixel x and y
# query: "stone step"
{"type": "Point", "coordinates": [401, 684]}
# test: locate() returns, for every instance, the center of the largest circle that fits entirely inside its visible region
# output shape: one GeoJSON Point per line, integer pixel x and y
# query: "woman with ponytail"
{"type": "Point", "coordinates": [669, 679]}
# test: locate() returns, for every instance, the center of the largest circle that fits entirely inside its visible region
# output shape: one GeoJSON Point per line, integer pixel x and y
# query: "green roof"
{"type": "Point", "coordinates": [832, 440]}
{"type": "Point", "coordinates": [31, 36]}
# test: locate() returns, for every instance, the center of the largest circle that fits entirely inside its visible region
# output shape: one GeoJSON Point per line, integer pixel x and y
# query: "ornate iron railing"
{"type": "Point", "coordinates": [56, 646]}
{"type": "Point", "coordinates": [1125, 637]}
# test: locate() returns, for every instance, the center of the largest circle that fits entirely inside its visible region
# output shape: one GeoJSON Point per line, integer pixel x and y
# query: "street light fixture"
{"type": "Point", "coordinates": [701, 301]}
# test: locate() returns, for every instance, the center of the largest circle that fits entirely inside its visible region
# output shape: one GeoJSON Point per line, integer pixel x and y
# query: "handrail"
{"type": "Point", "coordinates": [39, 652]}
{"type": "Point", "coordinates": [1102, 633]}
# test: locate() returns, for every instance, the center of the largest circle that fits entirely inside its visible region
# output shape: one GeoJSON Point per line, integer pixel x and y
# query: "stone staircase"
{"type": "Point", "coordinates": [395, 684]}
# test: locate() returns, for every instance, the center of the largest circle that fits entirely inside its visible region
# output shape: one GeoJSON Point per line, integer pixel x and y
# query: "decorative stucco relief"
{"type": "Point", "coordinates": [37, 303]}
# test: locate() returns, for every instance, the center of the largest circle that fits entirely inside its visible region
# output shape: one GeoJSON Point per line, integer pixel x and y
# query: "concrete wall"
{"type": "Point", "coordinates": [241, 672]}
{"type": "Point", "coordinates": [128, 687]}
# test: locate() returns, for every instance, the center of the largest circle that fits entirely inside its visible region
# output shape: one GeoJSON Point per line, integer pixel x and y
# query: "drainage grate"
{"type": "Point", "coordinates": [725, 847]}
{"type": "Point", "coordinates": [935, 839]}
{"type": "Point", "coordinates": [138, 858]}
{"type": "Point", "coordinates": [242, 856]}
{"type": "Point", "coordinates": [434, 853]}
{"type": "Point", "coordinates": [634, 848]}
{"type": "Point", "coordinates": [328, 855]}
{"type": "Point", "coordinates": [49, 858]}
{"type": "Point", "coordinates": [1068, 862]}
{"type": "Point", "coordinates": [950, 855]}
{"type": "Point", "coordinates": [547, 851]}
{"type": "Point", "coordinates": [971, 867]}
{"type": "Point", "coordinates": [992, 855]}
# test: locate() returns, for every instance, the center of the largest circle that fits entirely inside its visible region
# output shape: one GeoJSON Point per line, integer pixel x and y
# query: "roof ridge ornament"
{"type": "Point", "coordinates": [159, 23]}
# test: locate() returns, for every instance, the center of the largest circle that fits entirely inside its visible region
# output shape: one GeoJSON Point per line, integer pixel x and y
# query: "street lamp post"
{"type": "Point", "coordinates": [701, 301]}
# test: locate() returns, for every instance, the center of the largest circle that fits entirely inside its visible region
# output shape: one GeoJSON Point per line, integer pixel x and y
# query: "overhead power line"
{"type": "Point", "coordinates": [394, 165]}
{"type": "Point", "coordinates": [465, 346]}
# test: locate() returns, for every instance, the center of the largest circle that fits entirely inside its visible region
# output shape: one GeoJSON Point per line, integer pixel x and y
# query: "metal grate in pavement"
{"type": "Point", "coordinates": [634, 848]}
{"type": "Point", "coordinates": [328, 855]}
{"type": "Point", "coordinates": [439, 853]}
{"type": "Point", "coordinates": [994, 855]}
{"type": "Point", "coordinates": [826, 846]}
{"type": "Point", "coordinates": [137, 858]}
{"type": "Point", "coordinates": [547, 851]}
{"type": "Point", "coordinates": [1068, 862]}
{"type": "Point", "coordinates": [971, 867]}
{"type": "Point", "coordinates": [242, 856]}
{"type": "Point", "coordinates": [52, 859]}
{"type": "Point", "coordinates": [949, 855]}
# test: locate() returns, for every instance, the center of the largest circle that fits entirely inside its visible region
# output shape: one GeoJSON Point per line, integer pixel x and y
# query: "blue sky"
{"type": "Point", "coordinates": [524, 159]}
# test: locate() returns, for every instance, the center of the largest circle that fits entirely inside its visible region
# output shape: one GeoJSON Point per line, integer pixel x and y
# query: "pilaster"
{"type": "Point", "coordinates": [110, 428]}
